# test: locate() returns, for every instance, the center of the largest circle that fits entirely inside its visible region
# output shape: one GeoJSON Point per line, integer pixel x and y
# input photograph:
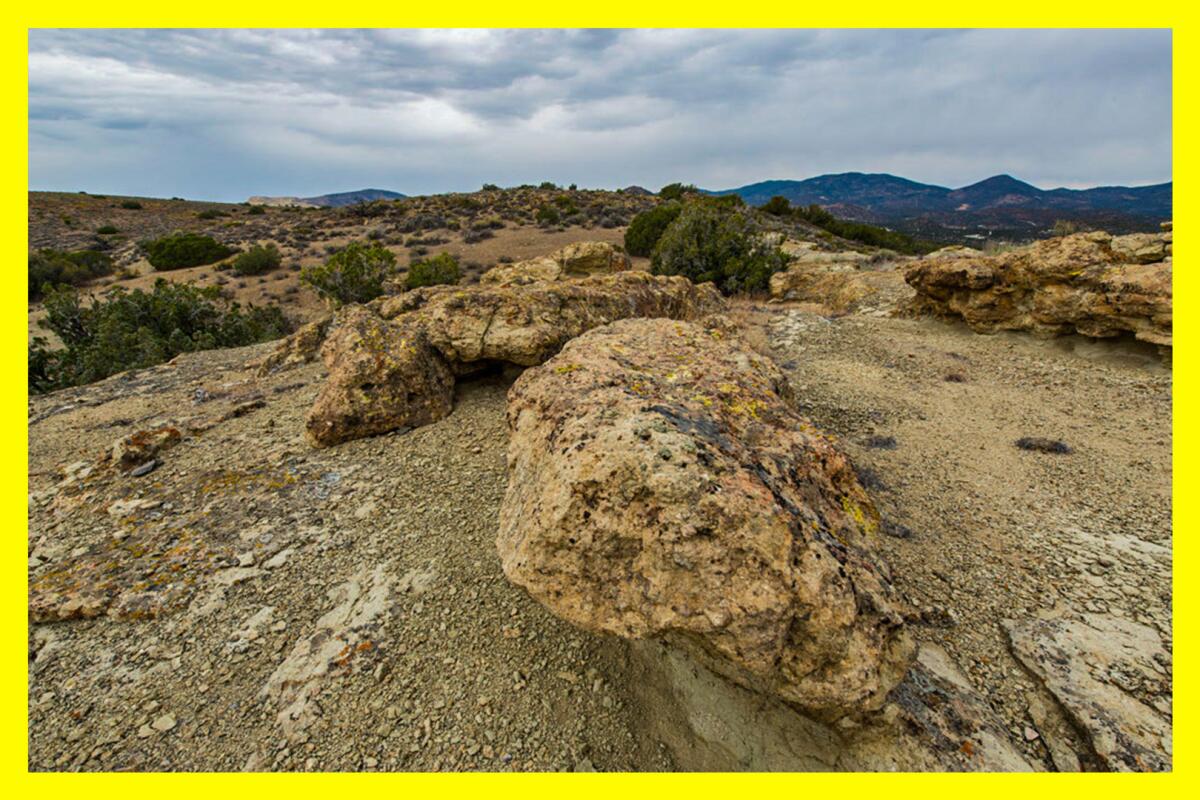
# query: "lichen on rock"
{"type": "Point", "coordinates": [661, 485]}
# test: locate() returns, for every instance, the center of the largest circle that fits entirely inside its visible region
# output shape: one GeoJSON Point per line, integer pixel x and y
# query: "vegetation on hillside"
{"type": "Point", "coordinates": [182, 250]}
{"type": "Point", "coordinates": [872, 235]}
{"type": "Point", "coordinates": [439, 269]}
{"type": "Point", "coordinates": [136, 329]}
{"type": "Point", "coordinates": [355, 274]}
{"type": "Point", "coordinates": [49, 268]}
{"type": "Point", "coordinates": [258, 260]}
{"type": "Point", "coordinates": [716, 241]}
{"type": "Point", "coordinates": [647, 228]}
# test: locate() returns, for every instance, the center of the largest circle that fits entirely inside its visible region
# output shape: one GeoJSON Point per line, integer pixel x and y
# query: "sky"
{"type": "Point", "coordinates": [225, 114]}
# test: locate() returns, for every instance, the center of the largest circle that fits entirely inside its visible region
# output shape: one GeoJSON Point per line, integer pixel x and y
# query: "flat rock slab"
{"type": "Point", "coordinates": [1112, 677]}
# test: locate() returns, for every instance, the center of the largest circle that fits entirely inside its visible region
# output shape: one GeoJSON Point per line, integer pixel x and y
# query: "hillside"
{"type": "Point", "coordinates": [997, 207]}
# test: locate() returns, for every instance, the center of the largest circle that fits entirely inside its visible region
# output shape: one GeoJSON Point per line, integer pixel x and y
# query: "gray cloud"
{"type": "Point", "coordinates": [224, 114]}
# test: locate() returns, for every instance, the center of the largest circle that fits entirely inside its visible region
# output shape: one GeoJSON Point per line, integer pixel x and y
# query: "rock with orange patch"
{"type": "Point", "coordinates": [662, 485]}
{"type": "Point", "coordinates": [138, 448]}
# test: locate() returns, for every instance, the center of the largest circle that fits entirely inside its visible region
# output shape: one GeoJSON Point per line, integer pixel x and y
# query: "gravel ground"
{"type": "Point", "coordinates": [272, 606]}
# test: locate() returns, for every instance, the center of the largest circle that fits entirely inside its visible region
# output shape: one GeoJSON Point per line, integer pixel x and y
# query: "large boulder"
{"type": "Point", "coordinates": [576, 260]}
{"type": "Point", "coordinates": [838, 291]}
{"type": "Point", "coordinates": [392, 363]}
{"type": "Point", "coordinates": [1089, 283]}
{"type": "Point", "coordinates": [661, 485]}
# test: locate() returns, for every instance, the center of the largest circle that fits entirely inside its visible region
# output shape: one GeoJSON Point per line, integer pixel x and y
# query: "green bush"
{"type": "Point", "coordinates": [547, 215]}
{"type": "Point", "coordinates": [676, 191]}
{"type": "Point", "coordinates": [862, 232]}
{"type": "Point", "coordinates": [712, 242]}
{"type": "Point", "coordinates": [647, 227]}
{"type": "Point", "coordinates": [353, 275]}
{"type": "Point", "coordinates": [547, 185]}
{"type": "Point", "coordinates": [132, 205]}
{"type": "Point", "coordinates": [440, 269]}
{"type": "Point", "coordinates": [777, 206]}
{"type": "Point", "coordinates": [211, 213]}
{"type": "Point", "coordinates": [136, 329]}
{"type": "Point", "coordinates": [49, 268]}
{"type": "Point", "coordinates": [258, 260]}
{"type": "Point", "coordinates": [182, 250]}
{"type": "Point", "coordinates": [107, 229]}
{"type": "Point", "coordinates": [256, 210]}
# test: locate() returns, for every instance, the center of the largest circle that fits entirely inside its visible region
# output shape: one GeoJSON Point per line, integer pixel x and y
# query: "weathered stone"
{"type": "Point", "coordinates": [392, 363]}
{"type": "Point", "coordinates": [136, 449]}
{"type": "Point", "coordinates": [300, 348]}
{"type": "Point", "coordinates": [1112, 677]}
{"type": "Point", "coordinates": [839, 291]}
{"type": "Point", "coordinates": [661, 485]}
{"type": "Point", "coordinates": [576, 260]}
{"type": "Point", "coordinates": [1090, 283]}
{"type": "Point", "coordinates": [383, 375]}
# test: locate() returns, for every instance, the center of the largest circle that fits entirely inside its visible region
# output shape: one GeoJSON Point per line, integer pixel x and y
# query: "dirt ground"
{"type": "Point", "coordinates": [453, 668]}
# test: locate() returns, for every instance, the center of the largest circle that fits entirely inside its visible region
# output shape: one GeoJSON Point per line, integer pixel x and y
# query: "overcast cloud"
{"type": "Point", "coordinates": [224, 114]}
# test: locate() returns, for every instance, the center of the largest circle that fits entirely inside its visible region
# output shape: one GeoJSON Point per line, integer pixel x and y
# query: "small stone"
{"type": "Point", "coordinates": [144, 469]}
{"type": "Point", "coordinates": [164, 723]}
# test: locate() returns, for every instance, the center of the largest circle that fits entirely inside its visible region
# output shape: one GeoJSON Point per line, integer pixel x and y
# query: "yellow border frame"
{"type": "Point", "coordinates": [539, 13]}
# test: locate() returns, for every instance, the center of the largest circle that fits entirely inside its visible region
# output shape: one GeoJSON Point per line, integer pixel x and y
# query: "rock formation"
{"type": "Point", "coordinates": [1113, 678]}
{"type": "Point", "coordinates": [661, 485]}
{"type": "Point", "coordinates": [576, 260]}
{"type": "Point", "coordinates": [1094, 283]}
{"type": "Point", "coordinates": [392, 363]}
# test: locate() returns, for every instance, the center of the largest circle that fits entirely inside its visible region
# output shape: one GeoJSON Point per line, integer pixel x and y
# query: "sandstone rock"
{"type": "Point", "coordinates": [838, 291]}
{"type": "Point", "coordinates": [383, 375]}
{"type": "Point", "coordinates": [1112, 677]}
{"type": "Point", "coordinates": [933, 721]}
{"type": "Point", "coordinates": [300, 348]}
{"type": "Point", "coordinates": [138, 448]}
{"type": "Point", "coordinates": [576, 260]}
{"type": "Point", "coordinates": [1090, 283]}
{"type": "Point", "coordinates": [392, 364]}
{"type": "Point", "coordinates": [660, 485]}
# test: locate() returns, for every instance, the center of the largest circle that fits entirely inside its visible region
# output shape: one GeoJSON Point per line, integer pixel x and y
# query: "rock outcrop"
{"type": "Point", "coordinates": [576, 260]}
{"type": "Point", "coordinates": [392, 363]}
{"type": "Point", "coordinates": [1112, 677]}
{"type": "Point", "coordinates": [661, 485]}
{"type": "Point", "coordinates": [838, 291]}
{"type": "Point", "coordinates": [1094, 284]}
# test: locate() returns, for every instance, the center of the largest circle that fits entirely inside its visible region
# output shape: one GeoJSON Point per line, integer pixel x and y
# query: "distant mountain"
{"type": "Point", "coordinates": [1000, 205]}
{"type": "Point", "coordinates": [335, 200]}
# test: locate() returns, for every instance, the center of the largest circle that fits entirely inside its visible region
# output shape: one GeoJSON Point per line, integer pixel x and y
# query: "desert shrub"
{"type": "Point", "coordinates": [777, 206]}
{"type": "Point", "coordinates": [355, 274]}
{"type": "Point", "coordinates": [49, 268]}
{"type": "Point", "coordinates": [211, 213]}
{"type": "Point", "coordinates": [712, 242]}
{"type": "Point", "coordinates": [440, 269]}
{"type": "Point", "coordinates": [136, 329]}
{"type": "Point", "coordinates": [473, 236]}
{"type": "Point", "coordinates": [132, 205]}
{"type": "Point", "coordinates": [548, 185]}
{"type": "Point", "coordinates": [181, 250]}
{"type": "Point", "coordinates": [490, 187]}
{"type": "Point", "coordinates": [258, 260]}
{"type": "Point", "coordinates": [675, 191]}
{"type": "Point", "coordinates": [1065, 227]}
{"type": "Point", "coordinates": [862, 232]}
{"type": "Point", "coordinates": [547, 215]}
{"type": "Point", "coordinates": [107, 229]}
{"type": "Point", "coordinates": [256, 210]}
{"type": "Point", "coordinates": [646, 228]}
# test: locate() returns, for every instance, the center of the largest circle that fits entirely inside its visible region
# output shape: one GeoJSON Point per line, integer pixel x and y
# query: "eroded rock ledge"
{"type": "Point", "coordinates": [661, 485]}
{"type": "Point", "coordinates": [393, 362]}
{"type": "Point", "coordinates": [1094, 283]}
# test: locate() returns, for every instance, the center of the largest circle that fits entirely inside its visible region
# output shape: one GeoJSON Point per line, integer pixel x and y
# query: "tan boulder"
{"type": "Point", "coordinates": [1090, 283]}
{"type": "Point", "coordinates": [836, 291]}
{"type": "Point", "coordinates": [576, 260]}
{"type": "Point", "coordinates": [300, 348]}
{"type": "Point", "coordinates": [661, 485]}
{"type": "Point", "coordinates": [138, 448]}
{"type": "Point", "coordinates": [383, 375]}
{"type": "Point", "coordinates": [391, 363]}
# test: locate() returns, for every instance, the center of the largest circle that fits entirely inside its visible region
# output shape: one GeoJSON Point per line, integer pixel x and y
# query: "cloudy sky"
{"type": "Point", "coordinates": [224, 114]}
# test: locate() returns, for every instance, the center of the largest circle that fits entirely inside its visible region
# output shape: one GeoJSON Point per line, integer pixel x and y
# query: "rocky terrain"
{"type": "Point", "coordinates": [614, 522]}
